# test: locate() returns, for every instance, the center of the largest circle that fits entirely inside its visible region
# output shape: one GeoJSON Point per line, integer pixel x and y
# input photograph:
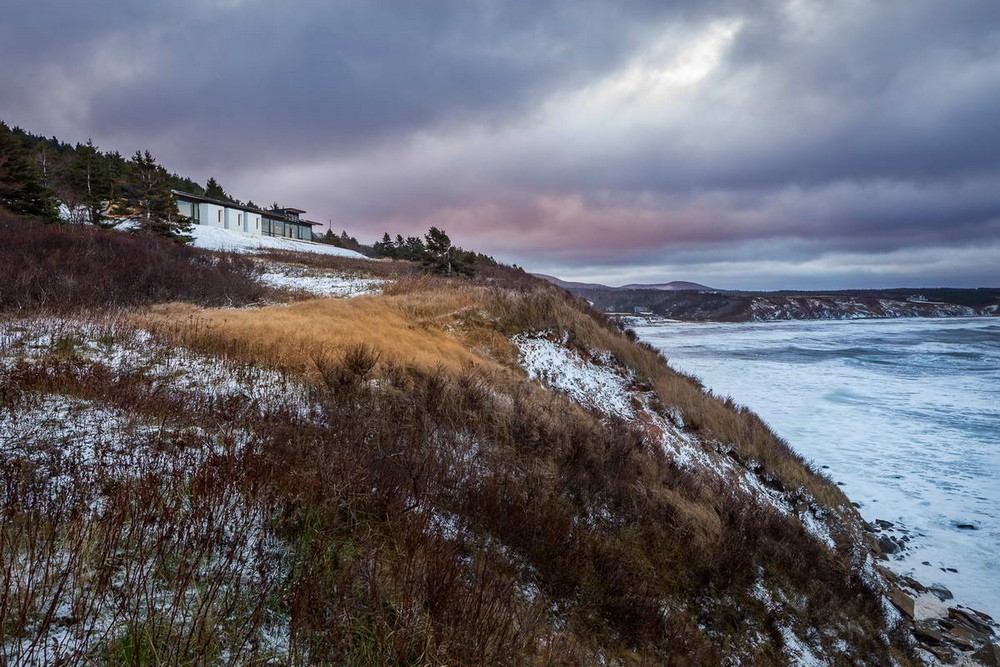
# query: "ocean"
{"type": "Point", "coordinates": [903, 414]}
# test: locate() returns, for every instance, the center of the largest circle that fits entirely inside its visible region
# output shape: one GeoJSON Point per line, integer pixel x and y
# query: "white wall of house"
{"type": "Point", "coordinates": [224, 217]}
{"type": "Point", "coordinates": [213, 215]}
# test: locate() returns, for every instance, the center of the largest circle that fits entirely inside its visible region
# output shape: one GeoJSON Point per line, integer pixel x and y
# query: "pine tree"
{"type": "Point", "coordinates": [89, 180]}
{"type": "Point", "coordinates": [214, 191]}
{"type": "Point", "coordinates": [21, 188]}
{"type": "Point", "coordinates": [147, 197]}
{"type": "Point", "coordinates": [385, 247]}
{"type": "Point", "coordinates": [412, 249]}
{"type": "Point", "coordinates": [442, 257]}
{"type": "Point", "coordinates": [439, 248]}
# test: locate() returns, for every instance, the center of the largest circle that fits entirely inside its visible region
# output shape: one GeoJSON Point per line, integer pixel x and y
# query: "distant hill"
{"type": "Point", "coordinates": [569, 285]}
{"type": "Point", "coordinates": [675, 286]}
{"type": "Point", "coordinates": [741, 306]}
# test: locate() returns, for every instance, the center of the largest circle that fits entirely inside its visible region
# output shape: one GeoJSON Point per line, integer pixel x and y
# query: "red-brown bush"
{"type": "Point", "coordinates": [63, 268]}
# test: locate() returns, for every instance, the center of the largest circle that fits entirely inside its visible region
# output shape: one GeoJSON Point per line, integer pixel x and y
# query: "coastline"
{"type": "Point", "coordinates": [932, 610]}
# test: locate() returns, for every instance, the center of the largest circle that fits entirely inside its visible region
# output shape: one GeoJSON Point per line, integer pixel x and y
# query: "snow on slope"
{"type": "Point", "coordinates": [601, 383]}
{"type": "Point", "coordinates": [585, 382]}
{"type": "Point", "coordinates": [213, 238]}
{"type": "Point", "coordinates": [597, 381]}
{"type": "Point", "coordinates": [319, 283]}
{"type": "Point", "coordinates": [74, 450]}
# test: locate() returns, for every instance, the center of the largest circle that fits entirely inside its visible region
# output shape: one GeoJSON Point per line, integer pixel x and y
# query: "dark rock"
{"type": "Point", "coordinates": [914, 584]}
{"type": "Point", "coordinates": [927, 633]}
{"type": "Point", "coordinates": [902, 602]}
{"type": "Point", "coordinates": [888, 545]}
{"type": "Point", "coordinates": [966, 526]}
{"type": "Point", "coordinates": [883, 524]}
{"type": "Point", "coordinates": [964, 638]}
{"type": "Point", "coordinates": [940, 592]}
{"type": "Point", "coordinates": [942, 653]}
{"type": "Point", "coordinates": [950, 569]}
{"type": "Point", "coordinates": [926, 562]}
{"type": "Point", "coordinates": [971, 619]}
{"type": "Point", "coordinates": [888, 574]}
{"type": "Point", "coordinates": [988, 655]}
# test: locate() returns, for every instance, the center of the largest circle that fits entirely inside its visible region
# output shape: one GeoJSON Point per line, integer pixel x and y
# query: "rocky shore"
{"type": "Point", "coordinates": [945, 632]}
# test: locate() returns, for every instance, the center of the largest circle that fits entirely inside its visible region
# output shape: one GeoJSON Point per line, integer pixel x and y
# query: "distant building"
{"type": "Point", "coordinates": [284, 222]}
{"type": "Point", "coordinates": [643, 310]}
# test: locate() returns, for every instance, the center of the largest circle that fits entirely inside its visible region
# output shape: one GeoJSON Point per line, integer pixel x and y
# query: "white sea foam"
{"type": "Point", "coordinates": [905, 414]}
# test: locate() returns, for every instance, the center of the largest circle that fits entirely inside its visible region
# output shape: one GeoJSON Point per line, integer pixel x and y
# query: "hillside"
{"type": "Point", "coordinates": [673, 286]}
{"type": "Point", "coordinates": [736, 306]}
{"type": "Point", "coordinates": [206, 465]}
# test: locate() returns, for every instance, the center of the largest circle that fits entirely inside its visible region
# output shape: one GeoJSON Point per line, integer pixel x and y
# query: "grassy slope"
{"type": "Point", "coordinates": [427, 503]}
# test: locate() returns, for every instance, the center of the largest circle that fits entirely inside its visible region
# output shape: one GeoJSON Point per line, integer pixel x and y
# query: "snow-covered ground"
{"type": "Point", "coordinates": [319, 282]}
{"type": "Point", "coordinates": [904, 414]}
{"type": "Point", "coordinates": [213, 238]}
{"type": "Point", "coordinates": [78, 453]}
{"type": "Point", "coordinates": [596, 386]}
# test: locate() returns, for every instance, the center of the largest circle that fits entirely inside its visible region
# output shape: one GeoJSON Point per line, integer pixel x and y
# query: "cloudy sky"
{"type": "Point", "coordinates": [756, 144]}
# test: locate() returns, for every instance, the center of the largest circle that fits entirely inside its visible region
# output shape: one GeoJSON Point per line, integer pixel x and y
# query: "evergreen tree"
{"type": "Point", "coordinates": [385, 247]}
{"type": "Point", "coordinates": [89, 182]}
{"type": "Point", "coordinates": [444, 258]}
{"type": "Point", "coordinates": [413, 249]}
{"type": "Point", "coordinates": [21, 188]}
{"type": "Point", "coordinates": [214, 191]}
{"type": "Point", "coordinates": [147, 197]}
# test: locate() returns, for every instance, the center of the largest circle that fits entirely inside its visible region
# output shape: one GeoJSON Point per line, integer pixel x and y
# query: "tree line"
{"type": "Point", "coordinates": [435, 251]}
{"type": "Point", "coordinates": [40, 174]}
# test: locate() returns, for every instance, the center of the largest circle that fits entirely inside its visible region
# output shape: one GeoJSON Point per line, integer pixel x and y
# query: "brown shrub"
{"type": "Point", "coordinates": [63, 268]}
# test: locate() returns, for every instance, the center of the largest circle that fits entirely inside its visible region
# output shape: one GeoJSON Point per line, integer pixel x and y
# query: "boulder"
{"type": "Point", "coordinates": [902, 602]}
{"type": "Point", "coordinates": [942, 653]}
{"type": "Point", "coordinates": [928, 633]}
{"type": "Point", "coordinates": [940, 592]}
{"type": "Point", "coordinates": [963, 638]}
{"type": "Point", "coordinates": [971, 619]}
{"type": "Point", "coordinates": [887, 545]}
{"type": "Point", "coordinates": [988, 655]}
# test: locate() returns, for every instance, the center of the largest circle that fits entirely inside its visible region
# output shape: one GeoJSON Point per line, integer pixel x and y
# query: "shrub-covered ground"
{"type": "Point", "coordinates": [401, 479]}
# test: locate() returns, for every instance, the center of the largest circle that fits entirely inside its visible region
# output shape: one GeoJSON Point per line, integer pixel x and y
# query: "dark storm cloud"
{"type": "Point", "coordinates": [303, 77]}
{"type": "Point", "coordinates": [773, 138]}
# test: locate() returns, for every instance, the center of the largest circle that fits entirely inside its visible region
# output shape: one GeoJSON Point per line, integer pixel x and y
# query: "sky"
{"type": "Point", "coordinates": [765, 144]}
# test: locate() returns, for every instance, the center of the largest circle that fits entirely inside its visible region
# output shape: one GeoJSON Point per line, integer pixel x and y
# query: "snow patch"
{"type": "Point", "coordinates": [323, 284]}
{"type": "Point", "coordinates": [229, 240]}
{"type": "Point", "coordinates": [598, 386]}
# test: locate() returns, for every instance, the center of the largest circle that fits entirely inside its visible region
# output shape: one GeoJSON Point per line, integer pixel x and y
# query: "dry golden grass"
{"type": "Point", "coordinates": [406, 330]}
{"type": "Point", "coordinates": [429, 323]}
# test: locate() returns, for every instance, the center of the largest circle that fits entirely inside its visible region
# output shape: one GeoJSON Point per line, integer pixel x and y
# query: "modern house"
{"type": "Point", "coordinates": [284, 222]}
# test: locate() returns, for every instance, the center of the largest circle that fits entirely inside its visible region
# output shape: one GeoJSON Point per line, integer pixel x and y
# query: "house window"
{"type": "Point", "coordinates": [219, 215]}
{"type": "Point", "coordinates": [239, 218]}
